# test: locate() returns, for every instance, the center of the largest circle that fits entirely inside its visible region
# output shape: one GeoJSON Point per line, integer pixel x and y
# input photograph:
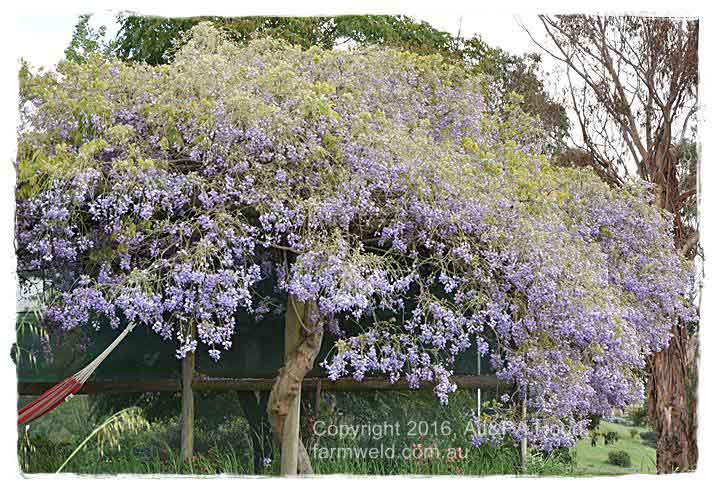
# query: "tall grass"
{"type": "Point", "coordinates": [64, 440]}
{"type": "Point", "coordinates": [110, 432]}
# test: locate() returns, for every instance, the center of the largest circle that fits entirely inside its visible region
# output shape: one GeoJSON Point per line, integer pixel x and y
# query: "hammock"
{"type": "Point", "coordinates": [64, 390]}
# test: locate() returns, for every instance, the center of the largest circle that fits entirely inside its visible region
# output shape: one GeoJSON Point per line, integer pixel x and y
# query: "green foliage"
{"type": "Point", "coordinates": [108, 434]}
{"type": "Point", "coordinates": [638, 415]}
{"type": "Point", "coordinates": [37, 453]}
{"type": "Point", "coordinates": [557, 463]}
{"type": "Point", "coordinates": [51, 440]}
{"type": "Point", "coordinates": [86, 40]}
{"type": "Point", "coordinates": [610, 438]}
{"type": "Point", "coordinates": [619, 458]}
{"type": "Point", "coordinates": [226, 449]}
{"type": "Point", "coordinates": [593, 459]}
{"type": "Point", "coordinates": [154, 40]}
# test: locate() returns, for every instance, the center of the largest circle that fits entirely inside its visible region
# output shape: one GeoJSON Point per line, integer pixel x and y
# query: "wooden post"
{"type": "Point", "coordinates": [316, 414]}
{"type": "Point", "coordinates": [318, 388]}
{"type": "Point", "coordinates": [291, 429]}
{"type": "Point", "coordinates": [479, 390]}
{"type": "Point", "coordinates": [523, 452]}
{"type": "Point", "coordinates": [187, 407]}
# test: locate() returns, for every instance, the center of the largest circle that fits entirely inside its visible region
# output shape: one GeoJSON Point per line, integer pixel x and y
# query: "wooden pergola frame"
{"type": "Point", "coordinates": [191, 381]}
{"type": "Point", "coordinates": [203, 383]}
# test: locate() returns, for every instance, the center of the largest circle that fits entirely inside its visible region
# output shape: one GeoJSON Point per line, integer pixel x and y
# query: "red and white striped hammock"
{"type": "Point", "coordinates": [64, 390]}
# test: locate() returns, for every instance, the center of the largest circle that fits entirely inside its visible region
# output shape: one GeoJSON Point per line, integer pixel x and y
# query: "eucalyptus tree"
{"type": "Point", "coordinates": [633, 86]}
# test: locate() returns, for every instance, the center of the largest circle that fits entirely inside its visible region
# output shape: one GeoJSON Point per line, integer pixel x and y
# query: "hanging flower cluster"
{"type": "Point", "coordinates": [373, 183]}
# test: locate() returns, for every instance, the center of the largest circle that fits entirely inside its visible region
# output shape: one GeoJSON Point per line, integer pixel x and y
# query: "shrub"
{"type": "Point", "coordinates": [634, 433]}
{"type": "Point", "coordinates": [610, 438]}
{"type": "Point", "coordinates": [619, 458]}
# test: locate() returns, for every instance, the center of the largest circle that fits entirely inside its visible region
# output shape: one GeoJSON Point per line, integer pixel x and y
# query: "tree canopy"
{"type": "Point", "coordinates": [154, 40]}
{"type": "Point", "coordinates": [374, 185]}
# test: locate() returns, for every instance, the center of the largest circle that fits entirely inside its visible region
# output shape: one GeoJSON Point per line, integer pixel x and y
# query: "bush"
{"type": "Point", "coordinates": [564, 456]}
{"type": "Point", "coordinates": [610, 438]}
{"type": "Point", "coordinates": [634, 433]}
{"type": "Point", "coordinates": [619, 458]}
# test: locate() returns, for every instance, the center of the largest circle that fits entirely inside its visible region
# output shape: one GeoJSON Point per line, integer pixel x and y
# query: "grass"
{"type": "Point", "coordinates": [226, 448]}
{"type": "Point", "coordinates": [592, 460]}
{"type": "Point", "coordinates": [154, 449]}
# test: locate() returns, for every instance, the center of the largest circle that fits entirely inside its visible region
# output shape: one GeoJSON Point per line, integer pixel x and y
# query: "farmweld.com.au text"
{"type": "Point", "coordinates": [418, 452]}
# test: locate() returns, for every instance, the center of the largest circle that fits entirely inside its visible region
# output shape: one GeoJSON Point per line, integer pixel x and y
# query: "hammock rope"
{"type": "Point", "coordinates": [64, 390]}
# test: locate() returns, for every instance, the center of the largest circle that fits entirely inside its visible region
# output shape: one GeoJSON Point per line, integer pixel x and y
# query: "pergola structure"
{"type": "Point", "coordinates": [146, 363]}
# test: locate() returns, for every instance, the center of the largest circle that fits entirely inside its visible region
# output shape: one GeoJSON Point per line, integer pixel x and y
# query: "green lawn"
{"type": "Point", "coordinates": [594, 460]}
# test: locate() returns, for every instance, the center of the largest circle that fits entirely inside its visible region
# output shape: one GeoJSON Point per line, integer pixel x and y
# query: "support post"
{"type": "Point", "coordinates": [188, 365]}
{"type": "Point", "coordinates": [523, 447]}
{"type": "Point", "coordinates": [318, 388]}
{"type": "Point", "coordinates": [479, 390]}
{"type": "Point", "coordinates": [291, 430]}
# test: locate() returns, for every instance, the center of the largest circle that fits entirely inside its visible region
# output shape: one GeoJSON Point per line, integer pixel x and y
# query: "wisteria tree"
{"type": "Point", "coordinates": [368, 191]}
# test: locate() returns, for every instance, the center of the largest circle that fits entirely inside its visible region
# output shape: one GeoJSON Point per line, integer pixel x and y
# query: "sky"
{"type": "Point", "coordinates": [43, 35]}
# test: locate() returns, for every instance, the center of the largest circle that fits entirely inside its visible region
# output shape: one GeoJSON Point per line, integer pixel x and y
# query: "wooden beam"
{"type": "Point", "coordinates": [205, 383]}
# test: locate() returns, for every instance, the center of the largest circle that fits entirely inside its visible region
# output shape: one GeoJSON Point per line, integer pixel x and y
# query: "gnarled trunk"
{"type": "Point", "coordinates": [304, 335]}
{"type": "Point", "coordinates": [672, 402]}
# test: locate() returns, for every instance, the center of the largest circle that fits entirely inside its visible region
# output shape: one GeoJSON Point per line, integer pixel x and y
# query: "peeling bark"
{"type": "Point", "coordinates": [299, 361]}
{"type": "Point", "coordinates": [672, 403]}
{"type": "Point", "coordinates": [672, 390]}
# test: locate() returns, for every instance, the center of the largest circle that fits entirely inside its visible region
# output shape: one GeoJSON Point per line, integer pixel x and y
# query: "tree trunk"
{"type": "Point", "coordinates": [672, 391]}
{"type": "Point", "coordinates": [672, 403]}
{"type": "Point", "coordinates": [304, 335]}
{"type": "Point", "coordinates": [691, 389]}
